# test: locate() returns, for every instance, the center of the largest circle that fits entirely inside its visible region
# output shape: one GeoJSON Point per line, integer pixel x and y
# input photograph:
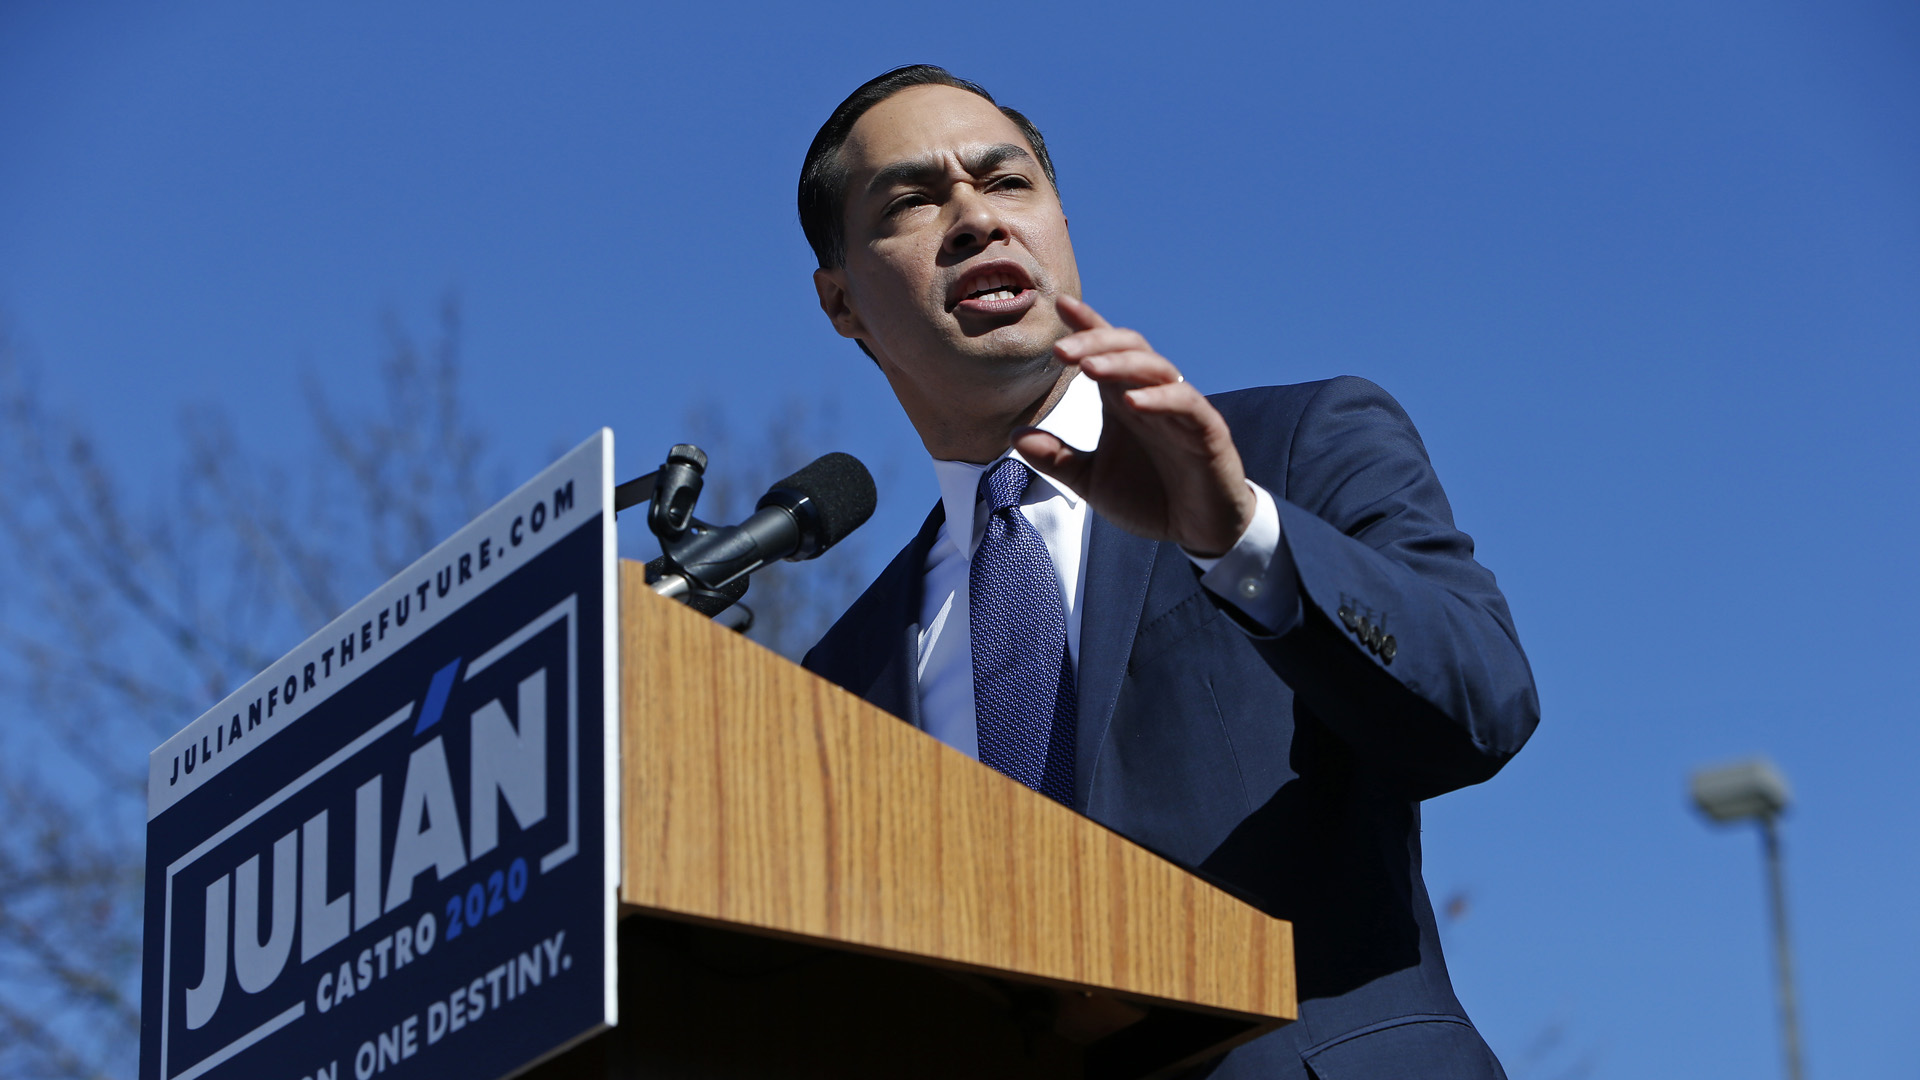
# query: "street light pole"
{"type": "Point", "coordinates": [1755, 791]}
{"type": "Point", "coordinates": [1782, 954]}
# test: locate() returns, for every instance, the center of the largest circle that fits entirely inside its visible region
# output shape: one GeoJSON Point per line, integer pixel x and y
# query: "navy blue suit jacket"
{"type": "Point", "coordinates": [1287, 767]}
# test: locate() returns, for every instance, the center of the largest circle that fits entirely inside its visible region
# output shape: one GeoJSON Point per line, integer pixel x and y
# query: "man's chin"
{"type": "Point", "coordinates": [1017, 341]}
{"type": "Point", "coordinates": [1001, 359]}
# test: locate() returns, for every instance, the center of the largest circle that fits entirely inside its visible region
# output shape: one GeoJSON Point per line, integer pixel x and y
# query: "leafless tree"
{"type": "Point", "coordinates": [128, 608]}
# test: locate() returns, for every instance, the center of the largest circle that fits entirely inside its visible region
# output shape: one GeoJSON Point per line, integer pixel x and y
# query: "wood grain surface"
{"type": "Point", "coordinates": [758, 795]}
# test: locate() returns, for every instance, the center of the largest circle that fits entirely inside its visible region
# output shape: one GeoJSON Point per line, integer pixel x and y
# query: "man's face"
{"type": "Point", "coordinates": [956, 245]}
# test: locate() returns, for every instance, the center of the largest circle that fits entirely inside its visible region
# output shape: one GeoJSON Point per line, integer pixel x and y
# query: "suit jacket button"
{"type": "Point", "coordinates": [1346, 617]}
{"type": "Point", "coordinates": [1372, 638]}
{"type": "Point", "coordinates": [1388, 648]}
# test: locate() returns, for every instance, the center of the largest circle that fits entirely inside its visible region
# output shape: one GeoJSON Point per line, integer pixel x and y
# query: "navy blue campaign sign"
{"type": "Point", "coordinates": [394, 852]}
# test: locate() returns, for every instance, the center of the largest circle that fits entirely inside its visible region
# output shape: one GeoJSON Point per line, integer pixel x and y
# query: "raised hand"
{"type": "Point", "coordinates": [1166, 468]}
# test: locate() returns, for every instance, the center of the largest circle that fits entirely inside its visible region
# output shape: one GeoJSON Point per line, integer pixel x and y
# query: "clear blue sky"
{"type": "Point", "coordinates": [1646, 274]}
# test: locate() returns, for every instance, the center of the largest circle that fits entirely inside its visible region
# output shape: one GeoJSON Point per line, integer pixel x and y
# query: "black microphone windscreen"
{"type": "Point", "coordinates": [841, 491]}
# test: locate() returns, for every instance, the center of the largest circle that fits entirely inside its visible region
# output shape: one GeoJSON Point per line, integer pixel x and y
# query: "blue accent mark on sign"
{"type": "Point", "coordinates": [437, 692]}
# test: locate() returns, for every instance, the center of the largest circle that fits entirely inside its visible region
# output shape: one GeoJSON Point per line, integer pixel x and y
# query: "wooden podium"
{"type": "Point", "coordinates": [810, 887]}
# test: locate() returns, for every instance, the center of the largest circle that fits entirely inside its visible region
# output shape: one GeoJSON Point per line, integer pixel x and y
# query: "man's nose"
{"type": "Point", "coordinates": [976, 222]}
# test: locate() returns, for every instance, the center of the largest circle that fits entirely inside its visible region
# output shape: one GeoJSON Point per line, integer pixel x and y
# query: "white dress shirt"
{"type": "Point", "coordinates": [1257, 576]}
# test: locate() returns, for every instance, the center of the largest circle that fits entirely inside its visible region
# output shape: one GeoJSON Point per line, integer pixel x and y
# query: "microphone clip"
{"type": "Point", "coordinates": [676, 487]}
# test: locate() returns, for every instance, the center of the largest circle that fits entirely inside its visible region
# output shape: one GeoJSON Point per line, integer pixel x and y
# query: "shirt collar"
{"type": "Point", "coordinates": [1075, 420]}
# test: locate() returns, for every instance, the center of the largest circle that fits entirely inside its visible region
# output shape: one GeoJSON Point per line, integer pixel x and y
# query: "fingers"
{"type": "Point", "coordinates": [1110, 354]}
{"type": "Point", "coordinates": [1105, 339]}
{"type": "Point", "coordinates": [1044, 451]}
{"type": "Point", "coordinates": [1133, 367]}
{"type": "Point", "coordinates": [1077, 315]}
{"type": "Point", "coordinates": [1166, 399]}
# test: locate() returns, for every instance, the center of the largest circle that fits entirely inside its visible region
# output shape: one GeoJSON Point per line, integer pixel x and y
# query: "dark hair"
{"type": "Point", "coordinates": [823, 176]}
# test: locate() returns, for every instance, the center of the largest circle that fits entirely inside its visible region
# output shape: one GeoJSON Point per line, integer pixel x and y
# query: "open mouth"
{"type": "Point", "coordinates": [997, 287]}
{"type": "Point", "coordinates": [994, 289]}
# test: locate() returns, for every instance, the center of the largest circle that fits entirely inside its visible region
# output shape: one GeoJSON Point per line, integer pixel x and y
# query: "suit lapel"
{"type": "Point", "coordinates": [896, 687]}
{"type": "Point", "coordinates": [1119, 565]}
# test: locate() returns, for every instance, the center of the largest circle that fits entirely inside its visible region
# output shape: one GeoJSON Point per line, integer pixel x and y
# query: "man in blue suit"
{"type": "Point", "coordinates": [1241, 630]}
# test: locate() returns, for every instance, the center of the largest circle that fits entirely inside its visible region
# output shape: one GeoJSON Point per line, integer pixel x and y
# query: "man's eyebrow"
{"type": "Point", "coordinates": [925, 172]}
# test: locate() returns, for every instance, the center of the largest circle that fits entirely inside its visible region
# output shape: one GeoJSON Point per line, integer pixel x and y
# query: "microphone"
{"type": "Point", "coordinates": [798, 518]}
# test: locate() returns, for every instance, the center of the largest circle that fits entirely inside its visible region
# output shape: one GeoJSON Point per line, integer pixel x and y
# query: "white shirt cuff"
{"type": "Point", "coordinates": [1257, 575]}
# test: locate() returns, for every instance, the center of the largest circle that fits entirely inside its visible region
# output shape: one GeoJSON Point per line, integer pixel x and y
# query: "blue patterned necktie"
{"type": "Point", "coordinates": [1023, 691]}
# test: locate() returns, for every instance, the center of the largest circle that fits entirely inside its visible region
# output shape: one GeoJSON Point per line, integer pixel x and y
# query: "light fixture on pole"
{"type": "Point", "coordinates": [1755, 790]}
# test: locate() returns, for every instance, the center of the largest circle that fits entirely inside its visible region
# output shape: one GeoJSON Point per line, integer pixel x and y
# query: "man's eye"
{"type": "Point", "coordinates": [905, 202]}
{"type": "Point", "coordinates": [1011, 182]}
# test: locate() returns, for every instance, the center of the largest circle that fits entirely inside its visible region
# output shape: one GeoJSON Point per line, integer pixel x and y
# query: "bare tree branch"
{"type": "Point", "coordinates": [128, 608]}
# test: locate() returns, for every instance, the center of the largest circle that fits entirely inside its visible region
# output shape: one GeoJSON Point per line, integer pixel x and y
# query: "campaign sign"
{"type": "Point", "coordinates": [394, 852]}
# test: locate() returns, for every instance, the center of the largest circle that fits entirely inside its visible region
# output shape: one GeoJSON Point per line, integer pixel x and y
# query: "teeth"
{"type": "Point", "coordinates": [995, 287]}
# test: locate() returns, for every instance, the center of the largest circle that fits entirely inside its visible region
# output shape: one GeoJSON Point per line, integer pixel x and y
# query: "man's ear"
{"type": "Point", "coordinates": [831, 285]}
